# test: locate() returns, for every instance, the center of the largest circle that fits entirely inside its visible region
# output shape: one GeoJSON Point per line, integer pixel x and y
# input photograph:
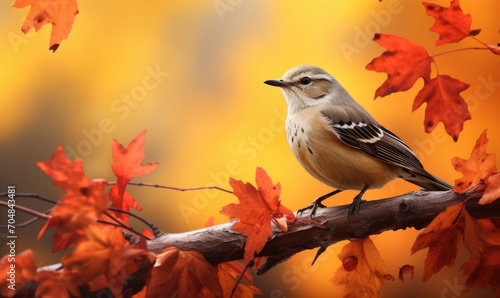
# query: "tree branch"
{"type": "Point", "coordinates": [220, 244]}
{"type": "Point", "coordinates": [415, 209]}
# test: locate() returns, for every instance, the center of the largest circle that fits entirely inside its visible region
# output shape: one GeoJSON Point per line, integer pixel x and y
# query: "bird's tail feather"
{"type": "Point", "coordinates": [429, 182]}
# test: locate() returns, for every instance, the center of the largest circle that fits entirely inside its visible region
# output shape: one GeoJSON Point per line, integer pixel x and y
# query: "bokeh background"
{"type": "Point", "coordinates": [209, 116]}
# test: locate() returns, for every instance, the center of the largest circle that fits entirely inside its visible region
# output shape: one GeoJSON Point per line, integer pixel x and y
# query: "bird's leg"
{"type": "Point", "coordinates": [317, 203]}
{"type": "Point", "coordinates": [354, 208]}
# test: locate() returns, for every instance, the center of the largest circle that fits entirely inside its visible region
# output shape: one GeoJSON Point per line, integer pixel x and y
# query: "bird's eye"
{"type": "Point", "coordinates": [305, 81]}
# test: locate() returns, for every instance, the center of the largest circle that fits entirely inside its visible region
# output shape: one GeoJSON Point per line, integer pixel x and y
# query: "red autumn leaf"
{"type": "Point", "coordinates": [479, 166]}
{"type": "Point", "coordinates": [404, 62]}
{"type": "Point", "coordinates": [127, 163]}
{"type": "Point", "coordinates": [256, 210]}
{"type": "Point", "coordinates": [482, 240]}
{"type": "Point", "coordinates": [67, 175]}
{"type": "Point", "coordinates": [51, 284]}
{"type": "Point", "coordinates": [61, 14]}
{"type": "Point", "coordinates": [16, 271]}
{"type": "Point", "coordinates": [442, 237]}
{"type": "Point", "coordinates": [368, 274]}
{"type": "Point", "coordinates": [451, 24]}
{"type": "Point", "coordinates": [178, 273]}
{"type": "Point", "coordinates": [492, 191]}
{"type": "Point", "coordinates": [406, 270]}
{"type": "Point", "coordinates": [444, 104]}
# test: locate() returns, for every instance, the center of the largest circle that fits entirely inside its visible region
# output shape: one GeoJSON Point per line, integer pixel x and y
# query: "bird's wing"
{"type": "Point", "coordinates": [375, 141]}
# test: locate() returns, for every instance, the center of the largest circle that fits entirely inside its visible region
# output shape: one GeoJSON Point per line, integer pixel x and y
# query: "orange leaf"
{"type": "Point", "coordinates": [67, 175]}
{"type": "Point", "coordinates": [229, 273]}
{"type": "Point", "coordinates": [256, 210]}
{"type": "Point", "coordinates": [51, 284]}
{"type": "Point", "coordinates": [442, 237]}
{"type": "Point", "coordinates": [127, 163]}
{"type": "Point", "coordinates": [451, 24]}
{"type": "Point", "coordinates": [479, 166]}
{"type": "Point", "coordinates": [368, 274]}
{"type": "Point", "coordinates": [61, 14]}
{"type": "Point", "coordinates": [492, 191]}
{"type": "Point", "coordinates": [444, 104]}
{"type": "Point", "coordinates": [404, 62]}
{"type": "Point", "coordinates": [180, 273]}
{"type": "Point", "coordinates": [482, 240]}
{"type": "Point", "coordinates": [16, 271]}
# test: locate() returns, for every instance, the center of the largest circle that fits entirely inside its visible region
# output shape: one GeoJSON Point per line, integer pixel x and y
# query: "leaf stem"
{"type": "Point", "coordinates": [458, 50]}
{"type": "Point", "coordinates": [175, 188]}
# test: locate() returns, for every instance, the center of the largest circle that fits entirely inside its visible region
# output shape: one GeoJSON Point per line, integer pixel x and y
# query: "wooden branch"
{"type": "Point", "coordinates": [415, 209]}
{"type": "Point", "coordinates": [220, 244]}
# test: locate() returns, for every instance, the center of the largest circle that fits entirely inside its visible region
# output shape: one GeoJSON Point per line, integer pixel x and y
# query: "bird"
{"type": "Point", "coordinates": [339, 143]}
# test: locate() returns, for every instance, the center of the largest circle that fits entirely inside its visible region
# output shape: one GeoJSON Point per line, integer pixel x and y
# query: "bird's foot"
{"type": "Point", "coordinates": [354, 207]}
{"type": "Point", "coordinates": [314, 206]}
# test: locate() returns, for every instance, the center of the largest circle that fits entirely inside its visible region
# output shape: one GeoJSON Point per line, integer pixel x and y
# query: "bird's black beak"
{"type": "Point", "coordinates": [277, 83]}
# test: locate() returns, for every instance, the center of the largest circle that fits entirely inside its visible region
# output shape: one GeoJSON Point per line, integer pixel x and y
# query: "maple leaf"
{"type": "Point", "coordinates": [492, 191]}
{"type": "Point", "coordinates": [51, 284]}
{"type": "Point", "coordinates": [16, 271]}
{"type": "Point", "coordinates": [444, 104]}
{"type": "Point", "coordinates": [61, 14]}
{"type": "Point", "coordinates": [256, 210]}
{"type": "Point", "coordinates": [365, 271]}
{"type": "Point", "coordinates": [479, 166]}
{"type": "Point", "coordinates": [451, 24]}
{"type": "Point", "coordinates": [178, 273]}
{"type": "Point", "coordinates": [482, 240]}
{"type": "Point", "coordinates": [67, 175]}
{"type": "Point", "coordinates": [127, 163]}
{"type": "Point", "coordinates": [442, 237]}
{"type": "Point", "coordinates": [404, 62]}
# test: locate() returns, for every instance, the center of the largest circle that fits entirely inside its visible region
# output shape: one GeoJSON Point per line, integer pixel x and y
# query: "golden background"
{"type": "Point", "coordinates": [209, 115]}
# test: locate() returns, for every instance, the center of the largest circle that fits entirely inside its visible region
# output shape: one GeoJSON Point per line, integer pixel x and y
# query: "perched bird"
{"type": "Point", "coordinates": [339, 143]}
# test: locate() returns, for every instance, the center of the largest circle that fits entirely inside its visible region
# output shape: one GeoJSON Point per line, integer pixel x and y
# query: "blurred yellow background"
{"type": "Point", "coordinates": [191, 73]}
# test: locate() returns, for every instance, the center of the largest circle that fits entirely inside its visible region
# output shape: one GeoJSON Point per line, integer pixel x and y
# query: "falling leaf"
{"type": "Point", "coordinates": [451, 24]}
{"type": "Point", "coordinates": [61, 14]}
{"type": "Point", "coordinates": [180, 273]}
{"type": "Point", "coordinates": [256, 210]}
{"type": "Point", "coordinates": [444, 104]}
{"type": "Point", "coordinates": [368, 274]}
{"type": "Point", "coordinates": [442, 237]}
{"type": "Point", "coordinates": [492, 191]}
{"type": "Point", "coordinates": [404, 62]}
{"type": "Point", "coordinates": [482, 240]}
{"type": "Point", "coordinates": [16, 271]}
{"type": "Point", "coordinates": [479, 166]}
{"type": "Point", "coordinates": [127, 163]}
{"type": "Point", "coordinates": [406, 270]}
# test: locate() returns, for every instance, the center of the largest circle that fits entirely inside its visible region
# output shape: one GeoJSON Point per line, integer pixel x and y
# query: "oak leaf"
{"type": "Point", "coordinates": [256, 210]}
{"type": "Point", "coordinates": [451, 24]}
{"type": "Point", "coordinates": [61, 14]}
{"type": "Point", "coordinates": [178, 273]}
{"type": "Point", "coordinates": [479, 166]}
{"type": "Point", "coordinates": [404, 62]}
{"type": "Point", "coordinates": [444, 104]}
{"type": "Point", "coordinates": [442, 236]}
{"type": "Point", "coordinates": [16, 271]}
{"type": "Point", "coordinates": [366, 270]}
{"type": "Point", "coordinates": [127, 163]}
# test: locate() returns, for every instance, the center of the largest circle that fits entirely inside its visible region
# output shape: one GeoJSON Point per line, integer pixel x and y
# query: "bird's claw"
{"type": "Point", "coordinates": [313, 206]}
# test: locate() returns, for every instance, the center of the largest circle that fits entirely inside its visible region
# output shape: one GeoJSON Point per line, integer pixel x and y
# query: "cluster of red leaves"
{"type": "Point", "coordinates": [61, 14]}
{"type": "Point", "coordinates": [481, 237]}
{"type": "Point", "coordinates": [405, 62]}
{"type": "Point", "coordinates": [102, 259]}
